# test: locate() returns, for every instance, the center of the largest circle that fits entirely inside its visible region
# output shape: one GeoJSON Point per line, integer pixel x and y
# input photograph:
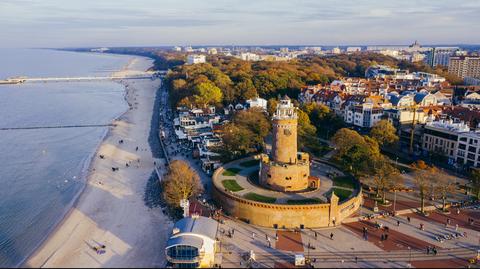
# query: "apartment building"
{"type": "Point", "coordinates": [465, 66]}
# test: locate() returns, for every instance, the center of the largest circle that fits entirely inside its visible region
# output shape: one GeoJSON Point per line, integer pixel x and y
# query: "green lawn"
{"type": "Point", "coordinates": [306, 201]}
{"type": "Point", "coordinates": [231, 185]}
{"type": "Point", "coordinates": [259, 198]}
{"type": "Point", "coordinates": [231, 172]}
{"type": "Point", "coordinates": [250, 163]}
{"type": "Point", "coordinates": [344, 181]}
{"type": "Point", "coordinates": [342, 194]}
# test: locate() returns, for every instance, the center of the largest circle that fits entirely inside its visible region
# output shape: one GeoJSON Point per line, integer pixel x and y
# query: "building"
{"type": "Point", "coordinates": [363, 115]}
{"type": "Point", "coordinates": [212, 51]}
{"type": "Point", "coordinates": [454, 140]}
{"type": "Point", "coordinates": [193, 243]}
{"type": "Point", "coordinates": [336, 50]}
{"type": "Point", "coordinates": [442, 137]}
{"type": "Point", "coordinates": [248, 56]}
{"type": "Point", "coordinates": [465, 66]}
{"type": "Point", "coordinates": [285, 169]}
{"type": "Point", "coordinates": [196, 59]}
{"type": "Point", "coordinates": [177, 48]}
{"type": "Point", "coordinates": [257, 102]}
{"type": "Point", "coordinates": [354, 49]}
{"type": "Point", "coordinates": [440, 55]}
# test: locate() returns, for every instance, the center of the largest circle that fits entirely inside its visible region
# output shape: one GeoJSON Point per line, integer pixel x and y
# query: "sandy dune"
{"type": "Point", "coordinates": [111, 210]}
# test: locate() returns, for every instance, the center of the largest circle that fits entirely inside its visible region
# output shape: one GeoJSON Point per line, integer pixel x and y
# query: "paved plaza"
{"type": "Point", "coordinates": [396, 242]}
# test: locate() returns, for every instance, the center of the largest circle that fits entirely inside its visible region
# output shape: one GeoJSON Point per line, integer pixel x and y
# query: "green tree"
{"type": "Point", "coordinates": [207, 94]}
{"type": "Point", "coordinates": [475, 181]}
{"type": "Point", "coordinates": [384, 133]}
{"type": "Point", "coordinates": [306, 132]}
{"type": "Point", "coordinates": [444, 185]}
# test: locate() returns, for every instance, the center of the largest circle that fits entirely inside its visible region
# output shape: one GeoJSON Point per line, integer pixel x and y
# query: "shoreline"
{"type": "Point", "coordinates": [84, 173]}
{"type": "Point", "coordinates": [34, 259]}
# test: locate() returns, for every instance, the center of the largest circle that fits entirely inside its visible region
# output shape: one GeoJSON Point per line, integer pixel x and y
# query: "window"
{"type": "Point", "coordinates": [462, 146]}
{"type": "Point", "coordinates": [472, 149]}
{"type": "Point", "coordinates": [471, 156]}
{"type": "Point", "coordinates": [182, 252]}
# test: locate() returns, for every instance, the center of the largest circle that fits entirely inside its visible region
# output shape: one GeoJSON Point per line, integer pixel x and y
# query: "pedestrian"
{"type": "Point", "coordinates": [253, 236]}
{"type": "Point", "coordinates": [421, 226]}
{"type": "Point", "coordinates": [136, 149]}
{"type": "Point", "coordinates": [269, 244]}
{"type": "Point", "coordinates": [428, 250]}
{"type": "Point", "coordinates": [233, 231]}
{"type": "Point", "coordinates": [386, 237]}
{"type": "Point", "coordinates": [458, 211]}
{"type": "Point", "coordinates": [408, 219]}
{"type": "Point", "coordinates": [266, 237]}
{"type": "Point", "coordinates": [315, 235]}
{"type": "Point", "coordinates": [331, 236]}
{"type": "Point", "coordinates": [448, 221]}
{"type": "Point", "coordinates": [356, 259]}
{"type": "Point", "coordinates": [398, 223]}
{"type": "Point", "coordinates": [456, 227]}
{"type": "Point", "coordinates": [382, 237]}
{"type": "Point", "coordinates": [276, 237]}
{"type": "Point", "coordinates": [333, 221]}
{"type": "Point", "coordinates": [434, 250]}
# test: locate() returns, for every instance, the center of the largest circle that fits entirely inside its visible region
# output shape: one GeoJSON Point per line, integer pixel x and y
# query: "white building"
{"type": "Point", "coordinates": [196, 59]}
{"type": "Point", "coordinates": [336, 50]}
{"type": "Point", "coordinates": [248, 56]}
{"type": "Point", "coordinates": [454, 140]}
{"type": "Point", "coordinates": [212, 51]}
{"type": "Point", "coordinates": [257, 102]}
{"type": "Point", "coordinates": [177, 48]}
{"type": "Point", "coordinates": [193, 243]}
{"type": "Point", "coordinates": [440, 55]}
{"type": "Point", "coordinates": [364, 115]}
{"type": "Point", "coordinates": [354, 49]}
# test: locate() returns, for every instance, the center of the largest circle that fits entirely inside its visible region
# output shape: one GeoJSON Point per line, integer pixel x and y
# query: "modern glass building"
{"type": "Point", "coordinates": [193, 243]}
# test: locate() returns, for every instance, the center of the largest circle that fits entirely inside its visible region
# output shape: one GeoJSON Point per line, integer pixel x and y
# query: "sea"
{"type": "Point", "coordinates": [43, 170]}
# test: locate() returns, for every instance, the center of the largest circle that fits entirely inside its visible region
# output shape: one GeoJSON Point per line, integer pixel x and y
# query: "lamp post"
{"type": "Point", "coordinates": [394, 201]}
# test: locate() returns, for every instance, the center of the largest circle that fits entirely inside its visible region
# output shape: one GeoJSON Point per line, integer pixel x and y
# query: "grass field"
{"type": "Point", "coordinates": [231, 172]}
{"type": "Point", "coordinates": [304, 201]}
{"type": "Point", "coordinates": [250, 163]}
{"type": "Point", "coordinates": [259, 198]}
{"type": "Point", "coordinates": [342, 194]}
{"type": "Point", "coordinates": [231, 185]}
{"type": "Point", "coordinates": [344, 181]}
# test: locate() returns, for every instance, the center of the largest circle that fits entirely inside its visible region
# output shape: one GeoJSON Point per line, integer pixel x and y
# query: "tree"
{"type": "Point", "coordinates": [423, 180]}
{"type": "Point", "coordinates": [384, 133]}
{"type": "Point", "coordinates": [207, 94]}
{"type": "Point", "coordinates": [180, 183]}
{"type": "Point", "coordinates": [444, 185]}
{"type": "Point", "coordinates": [475, 179]}
{"type": "Point", "coordinates": [385, 177]}
{"type": "Point", "coordinates": [306, 132]}
{"type": "Point", "coordinates": [272, 106]}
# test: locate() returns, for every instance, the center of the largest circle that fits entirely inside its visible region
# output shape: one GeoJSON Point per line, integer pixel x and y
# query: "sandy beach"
{"type": "Point", "coordinates": [111, 210]}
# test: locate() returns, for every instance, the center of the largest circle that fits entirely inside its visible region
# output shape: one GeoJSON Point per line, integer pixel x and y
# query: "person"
{"type": "Point", "coordinates": [253, 235]}
{"type": "Point", "coordinates": [386, 237]}
{"type": "Point", "coordinates": [315, 235]}
{"type": "Point", "coordinates": [456, 227]}
{"type": "Point", "coordinates": [428, 250]}
{"type": "Point", "coordinates": [458, 211]}
{"type": "Point", "coordinates": [398, 223]}
{"type": "Point", "coordinates": [448, 221]}
{"type": "Point", "coordinates": [434, 250]}
{"type": "Point", "coordinates": [331, 236]}
{"type": "Point", "coordinates": [408, 219]}
{"type": "Point", "coordinates": [356, 259]}
{"type": "Point", "coordinates": [421, 226]}
{"type": "Point", "coordinates": [233, 231]}
{"type": "Point", "coordinates": [136, 149]}
{"type": "Point", "coordinates": [276, 237]}
{"type": "Point", "coordinates": [382, 237]}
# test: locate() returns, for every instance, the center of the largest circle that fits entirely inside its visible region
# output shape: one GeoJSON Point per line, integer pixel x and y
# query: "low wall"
{"type": "Point", "coordinates": [283, 215]}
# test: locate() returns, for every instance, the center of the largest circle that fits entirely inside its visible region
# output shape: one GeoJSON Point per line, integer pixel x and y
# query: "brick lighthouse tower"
{"type": "Point", "coordinates": [286, 169]}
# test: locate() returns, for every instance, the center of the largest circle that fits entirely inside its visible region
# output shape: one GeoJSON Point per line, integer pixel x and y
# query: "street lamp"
{"type": "Point", "coordinates": [394, 201]}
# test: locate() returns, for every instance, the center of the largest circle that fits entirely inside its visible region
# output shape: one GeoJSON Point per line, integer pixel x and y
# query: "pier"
{"type": "Point", "coordinates": [56, 127]}
{"type": "Point", "coordinates": [137, 75]}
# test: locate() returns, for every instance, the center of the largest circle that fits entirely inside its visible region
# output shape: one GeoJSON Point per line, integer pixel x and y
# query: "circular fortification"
{"type": "Point", "coordinates": [239, 191]}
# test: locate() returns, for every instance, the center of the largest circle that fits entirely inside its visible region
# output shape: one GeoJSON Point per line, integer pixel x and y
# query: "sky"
{"type": "Point", "coordinates": [90, 23]}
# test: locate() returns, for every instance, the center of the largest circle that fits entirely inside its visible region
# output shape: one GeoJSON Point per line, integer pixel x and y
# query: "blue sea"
{"type": "Point", "coordinates": [42, 171]}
